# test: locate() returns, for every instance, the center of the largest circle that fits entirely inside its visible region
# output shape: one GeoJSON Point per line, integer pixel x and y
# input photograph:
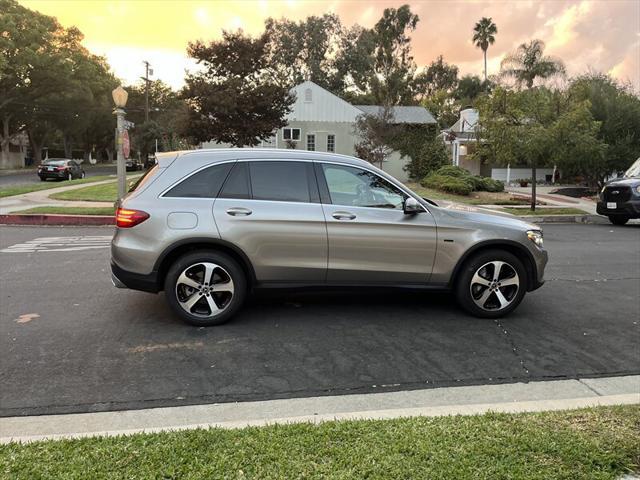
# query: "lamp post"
{"type": "Point", "coordinates": [120, 97]}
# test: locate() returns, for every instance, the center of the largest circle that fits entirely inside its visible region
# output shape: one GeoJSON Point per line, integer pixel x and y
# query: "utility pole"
{"type": "Point", "coordinates": [148, 71]}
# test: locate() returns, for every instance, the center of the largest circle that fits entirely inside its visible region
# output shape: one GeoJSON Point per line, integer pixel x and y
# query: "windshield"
{"type": "Point", "coordinates": [634, 170]}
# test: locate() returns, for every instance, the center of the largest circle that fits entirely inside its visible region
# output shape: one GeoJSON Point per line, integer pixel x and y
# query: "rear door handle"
{"type": "Point", "coordinates": [238, 212]}
{"type": "Point", "coordinates": [343, 216]}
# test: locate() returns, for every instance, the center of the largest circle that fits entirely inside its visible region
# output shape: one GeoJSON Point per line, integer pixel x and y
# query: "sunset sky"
{"type": "Point", "coordinates": [602, 35]}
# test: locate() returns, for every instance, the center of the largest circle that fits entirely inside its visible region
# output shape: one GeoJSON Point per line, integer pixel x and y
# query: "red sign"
{"type": "Point", "coordinates": [126, 145]}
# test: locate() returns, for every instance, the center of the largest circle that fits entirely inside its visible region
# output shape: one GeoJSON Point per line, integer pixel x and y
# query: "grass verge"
{"type": "Point", "coordinates": [107, 192]}
{"type": "Point", "coordinates": [599, 443]}
{"type": "Point", "coordinates": [545, 211]}
{"type": "Point", "coordinates": [36, 187]}
{"type": "Point", "coordinates": [70, 210]}
{"type": "Point", "coordinates": [474, 198]}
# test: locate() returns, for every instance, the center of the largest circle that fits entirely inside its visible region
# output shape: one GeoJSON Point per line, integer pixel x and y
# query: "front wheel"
{"type": "Point", "coordinates": [491, 284]}
{"type": "Point", "coordinates": [205, 288]}
{"type": "Point", "coordinates": [82, 175]}
{"type": "Point", "coordinates": [70, 176]}
{"type": "Point", "coordinates": [618, 220]}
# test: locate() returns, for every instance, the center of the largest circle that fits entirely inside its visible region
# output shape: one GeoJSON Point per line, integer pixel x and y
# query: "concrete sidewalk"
{"type": "Point", "coordinates": [470, 400]}
{"type": "Point", "coordinates": [555, 200]}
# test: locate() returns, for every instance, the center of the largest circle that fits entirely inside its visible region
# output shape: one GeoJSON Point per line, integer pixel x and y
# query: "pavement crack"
{"type": "Point", "coordinates": [593, 280]}
{"type": "Point", "coordinates": [590, 387]}
{"type": "Point", "coordinates": [512, 344]}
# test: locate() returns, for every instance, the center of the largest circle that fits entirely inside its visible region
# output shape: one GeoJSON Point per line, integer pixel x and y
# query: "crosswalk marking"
{"type": "Point", "coordinates": [60, 244]}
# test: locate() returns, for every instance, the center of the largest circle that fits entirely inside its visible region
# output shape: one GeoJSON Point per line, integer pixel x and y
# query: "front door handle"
{"type": "Point", "coordinates": [343, 216]}
{"type": "Point", "coordinates": [238, 212]}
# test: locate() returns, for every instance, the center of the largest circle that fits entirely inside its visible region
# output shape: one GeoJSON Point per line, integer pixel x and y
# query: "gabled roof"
{"type": "Point", "coordinates": [402, 114]}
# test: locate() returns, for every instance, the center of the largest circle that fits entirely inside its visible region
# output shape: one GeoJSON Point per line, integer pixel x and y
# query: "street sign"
{"type": "Point", "coordinates": [126, 146]}
{"type": "Point", "coordinates": [128, 125]}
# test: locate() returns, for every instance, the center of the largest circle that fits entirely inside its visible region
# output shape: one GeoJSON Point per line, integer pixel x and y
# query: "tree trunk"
{"type": "Point", "coordinates": [109, 152]}
{"type": "Point", "coordinates": [4, 141]}
{"type": "Point", "coordinates": [36, 148]}
{"type": "Point", "coordinates": [68, 150]}
{"type": "Point", "coordinates": [533, 186]}
{"type": "Point", "coordinates": [485, 65]}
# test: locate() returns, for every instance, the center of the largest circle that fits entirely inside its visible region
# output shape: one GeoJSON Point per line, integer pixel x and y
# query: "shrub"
{"type": "Point", "coordinates": [453, 171]}
{"type": "Point", "coordinates": [490, 185]}
{"type": "Point", "coordinates": [457, 185]}
{"type": "Point", "coordinates": [431, 156]}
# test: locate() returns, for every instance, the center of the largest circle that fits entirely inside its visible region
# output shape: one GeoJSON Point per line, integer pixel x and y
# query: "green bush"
{"type": "Point", "coordinates": [457, 185]}
{"type": "Point", "coordinates": [453, 171]}
{"type": "Point", "coordinates": [431, 156]}
{"type": "Point", "coordinates": [452, 179]}
{"type": "Point", "coordinates": [490, 185]}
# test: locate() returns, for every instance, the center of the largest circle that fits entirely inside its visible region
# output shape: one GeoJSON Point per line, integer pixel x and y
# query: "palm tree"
{"type": "Point", "coordinates": [484, 34]}
{"type": "Point", "coordinates": [528, 63]}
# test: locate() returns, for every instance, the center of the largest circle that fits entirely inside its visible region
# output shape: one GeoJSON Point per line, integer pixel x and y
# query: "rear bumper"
{"type": "Point", "coordinates": [53, 174]}
{"type": "Point", "coordinates": [630, 208]}
{"type": "Point", "coordinates": [135, 281]}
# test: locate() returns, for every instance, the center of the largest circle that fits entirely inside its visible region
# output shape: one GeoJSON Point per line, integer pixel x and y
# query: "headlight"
{"type": "Point", "coordinates": [536, 237]}
{"type": "Point", "coordinates": [638, 189]}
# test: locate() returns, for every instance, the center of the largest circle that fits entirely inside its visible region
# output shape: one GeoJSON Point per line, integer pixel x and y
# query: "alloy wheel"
{"type": "Point", "coordinates": [204, 289]}
{"type": "Point", "coordinates": [494, 286]}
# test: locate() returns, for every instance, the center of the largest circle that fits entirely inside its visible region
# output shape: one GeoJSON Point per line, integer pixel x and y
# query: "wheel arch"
{"type": "Point", "coordinates": [524, 255]}
{"type": "Point", "coordinates": [182, 247]}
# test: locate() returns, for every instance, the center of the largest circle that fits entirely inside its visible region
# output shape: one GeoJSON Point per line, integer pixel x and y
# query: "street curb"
{"type": "Point", "coordinates": [562, 218]}
{"type": "Point", "coordinates": [467, 400]}
{"type": "Point", "coordinates": [56, 219]}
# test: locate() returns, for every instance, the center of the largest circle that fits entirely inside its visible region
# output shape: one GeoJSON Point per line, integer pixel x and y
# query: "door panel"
{"type": "Point", "coordinates": [378, 243]}
{"type": "Point", "coordinates": [285, 241]}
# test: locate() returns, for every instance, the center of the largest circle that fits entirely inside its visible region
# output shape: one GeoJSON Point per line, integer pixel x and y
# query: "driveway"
{"type": "Point", "coordinates": [70, 342]}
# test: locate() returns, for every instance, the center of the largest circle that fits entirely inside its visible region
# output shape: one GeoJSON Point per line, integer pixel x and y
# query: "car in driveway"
{"type": "Point", "coordinates": [132, 165]}
{"type": "Point", "coordinates": [210, 226]}
{"type": "Point", "coordinates": [60, 169]}
{"type": "Point", "coordinates": [620, 198]}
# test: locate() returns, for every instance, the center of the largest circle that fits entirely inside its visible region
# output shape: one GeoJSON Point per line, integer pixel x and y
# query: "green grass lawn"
{"type": "Point", "coordinates": [600, 443]}
{"type": "Point", "coordinates": [107, 192]}
{"type": "Point", "coordinates": [474, 198]}
{"type": "Point", "coordinates": [35, 187]}
{"type": "Point", "coordinates": [70, 210]}
{"type": "Point", "coordinates": [545, 211]}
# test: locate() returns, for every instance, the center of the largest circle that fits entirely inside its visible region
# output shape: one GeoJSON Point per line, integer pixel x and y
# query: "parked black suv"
{"type": "Point", "coordinates": [620, 198]}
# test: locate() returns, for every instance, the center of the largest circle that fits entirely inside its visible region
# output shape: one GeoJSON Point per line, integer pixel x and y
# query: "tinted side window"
{"type": "Point", "coordinates": [237, 184]}
{"type": "Point", "coordinates": [360, 188]}
{"type": "Point", "coordinates": [283, 181]}
{"type": "Point", "coordinates": [203, 184]}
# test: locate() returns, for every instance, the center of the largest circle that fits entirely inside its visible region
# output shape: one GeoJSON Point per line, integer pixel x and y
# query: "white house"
{"type": "Point", "coordinates": [462, 138]}
{"type": "Point", "coordinates": [322, 121]}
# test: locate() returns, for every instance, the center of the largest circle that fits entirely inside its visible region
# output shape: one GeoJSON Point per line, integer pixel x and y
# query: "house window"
{"type": "Point", "coordinates": [291, 134]}
{"type": "Point", "coordinates": [311, 142]}
{"type": "Point", "coordinates": [331, 143]}
{"type": "Point", "coordinates": [308, 95]}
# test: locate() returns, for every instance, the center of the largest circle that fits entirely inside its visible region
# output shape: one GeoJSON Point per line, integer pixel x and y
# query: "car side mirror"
{"type": "Point", "coordinates": [412, 206]}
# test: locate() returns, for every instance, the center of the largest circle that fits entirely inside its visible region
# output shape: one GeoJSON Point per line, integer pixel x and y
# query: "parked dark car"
{"type": "Point", "coordinates": [133, 165]}
{"type": "Point", "coordinates": [60, 169]}
{"type": "Point", "coordinates": [620, 198]}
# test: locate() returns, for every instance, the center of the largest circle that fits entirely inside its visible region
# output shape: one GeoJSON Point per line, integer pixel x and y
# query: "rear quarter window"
{"type": "Point", "coordinates": [203, 184]}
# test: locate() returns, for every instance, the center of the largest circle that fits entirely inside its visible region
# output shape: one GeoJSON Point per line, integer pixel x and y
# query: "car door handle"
{"type": "Point", "coordinates": [343, 216]}
{"type": "Point", "coordinates": [238, 212]}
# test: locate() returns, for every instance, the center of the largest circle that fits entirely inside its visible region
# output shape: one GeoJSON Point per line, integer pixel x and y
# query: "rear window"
{"type": "Point", "coordinates": [55, 162]}
{"type": "Point", "coordinates": [203, 184]}
{"type": "Point", "coordinates": [145, 178]}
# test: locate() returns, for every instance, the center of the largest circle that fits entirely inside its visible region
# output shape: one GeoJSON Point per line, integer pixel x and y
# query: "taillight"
{"type": "Point", "coordinates": [130, 218]}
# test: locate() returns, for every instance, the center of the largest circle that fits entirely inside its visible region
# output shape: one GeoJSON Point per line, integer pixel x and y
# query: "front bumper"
{"type": "Point", "coordinates": [135, 281]}
{"type": "Point", "coordinates": [630, 208]}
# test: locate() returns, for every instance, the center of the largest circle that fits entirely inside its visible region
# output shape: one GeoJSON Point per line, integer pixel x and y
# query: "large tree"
{"type": "Point", "coordinates": [439, 75]}
{"type": "Point", "coordinates": [484, 34]}
{"type": "Point", "coordinates": [235, 98]}
{"type": "Point", "coordinates": [393, 65]}
{"type": "Point", "coordinates": [528, 63]}
{"type": "Point", "coordinates": [537, 127]}
{"type": "Point", "coordinates": [617, 108]}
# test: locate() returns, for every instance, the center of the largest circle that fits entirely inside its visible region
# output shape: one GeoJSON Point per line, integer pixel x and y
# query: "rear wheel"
{"type": "Point", "coordinates": [205, 288]}
{"type": "Point", "coordinates": [618, 219]}
{"type": "Point", "coordinates": [42, 179]}
{"type": "Point", "coordinates": [491, 284]}
{"type": "Point", "coordinates": [70, 176]}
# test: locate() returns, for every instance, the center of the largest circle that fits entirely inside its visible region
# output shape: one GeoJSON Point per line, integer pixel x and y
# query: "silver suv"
{"type": "Point", "coordinates": [209, 226]}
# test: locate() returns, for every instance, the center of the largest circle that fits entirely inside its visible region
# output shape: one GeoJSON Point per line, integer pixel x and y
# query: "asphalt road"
{"type": "Point", "coordinates": [70, 342]}
{"type": "Point", "coordinates": [32, 177]}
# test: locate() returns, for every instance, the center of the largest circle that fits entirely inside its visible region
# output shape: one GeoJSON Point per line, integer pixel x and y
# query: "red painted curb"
{"type": "Point", "coordinates": [55, 219]}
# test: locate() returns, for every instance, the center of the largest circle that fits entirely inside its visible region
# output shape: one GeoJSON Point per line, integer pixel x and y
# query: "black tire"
{"type": "Point", "coordinates": [472, 265]}
{"type": "Point", "coordinates": [70, 176]}
{"type": "Point", "coordinates": [618, 219]}
{"type": "Point", "coordinates": [42, 179]}
{"type": "Point", "coordinates": [82, 175]}
{"type": "Point", "coordinates": [234, 271]}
